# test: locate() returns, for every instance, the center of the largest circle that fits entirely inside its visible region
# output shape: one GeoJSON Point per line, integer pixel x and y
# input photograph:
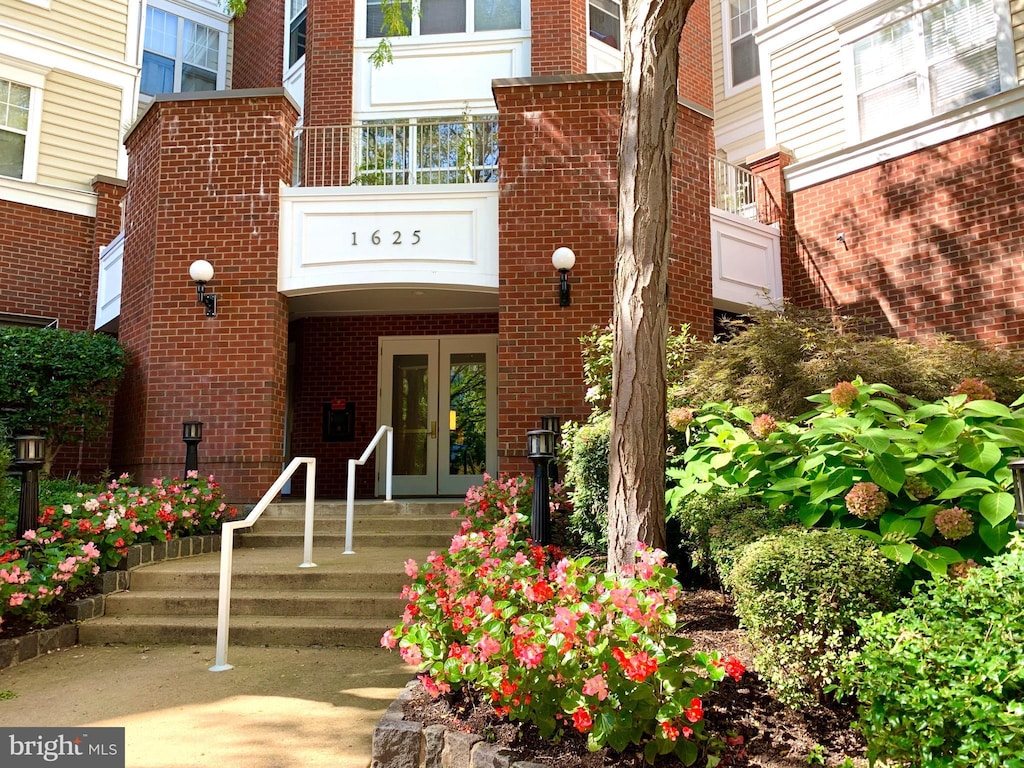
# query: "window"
{"type": "Point", "coordinates": [14, 125]}
{"type": "Point", "coordinates": [180, 55]}
{"type": "Point", "coordinates": [605, 21]}
{"type": "Point", "coordinates": [296, 30]}
{"type": "Point", "coordinates": [440, 17]}
{"type": "Point", "coordinates": [743, 65]}
{"type": "Point", "coordinates": [926, 64]}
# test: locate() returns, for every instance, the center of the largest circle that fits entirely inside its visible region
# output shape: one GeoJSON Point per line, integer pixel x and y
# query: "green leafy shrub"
{"type": "Point", "coordinates": [716, 527]}
{"type": "Point", "coordinates": [550, 641]}
{"type": "Point", "coordinates": [942, 678]}
{"type": "Point", "coordinates": [777, 359]}
{"type": "Point", "coordinates": [799, 594]}
{"type": "Point", "coordinates": [586, 475]}
{"type": "Point", "coordinates": [920, 461]}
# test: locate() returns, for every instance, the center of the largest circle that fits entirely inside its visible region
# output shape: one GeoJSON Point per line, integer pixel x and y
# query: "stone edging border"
{"type": "Point", "coordinates": [35, 644]}
{"type": "Point", "coordinates": [400, 743]}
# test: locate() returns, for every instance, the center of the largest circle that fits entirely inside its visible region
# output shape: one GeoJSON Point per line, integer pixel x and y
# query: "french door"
{"type": "Point", "coordinates": [439, 393]}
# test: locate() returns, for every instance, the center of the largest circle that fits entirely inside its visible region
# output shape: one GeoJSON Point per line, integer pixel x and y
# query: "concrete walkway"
{"type": "Point", "coordinates": [278, 708]}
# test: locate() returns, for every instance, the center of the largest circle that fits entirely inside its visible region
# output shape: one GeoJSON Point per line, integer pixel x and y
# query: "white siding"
{"type": "Point", "coordinates": [739, 128]}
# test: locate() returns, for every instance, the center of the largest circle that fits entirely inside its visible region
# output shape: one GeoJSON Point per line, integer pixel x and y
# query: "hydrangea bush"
{"type": "Point", "coordinates": [551, 640]}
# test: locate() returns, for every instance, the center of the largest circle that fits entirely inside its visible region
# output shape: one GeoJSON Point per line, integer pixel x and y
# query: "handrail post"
{"type": "Point", "coordinates": [390, 463]}
{"type": "Point", "coordinates": [307, 534]}
{"type": "Point", "coordinates": [349, 503]}
{"type": "Point", "coordinates": [224, 598]}
{"type": "Point", "coordinates": [351, 496]}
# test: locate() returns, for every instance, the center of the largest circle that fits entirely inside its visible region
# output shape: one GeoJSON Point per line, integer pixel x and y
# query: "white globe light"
{"type": "Point", "coordinates": [563, 258]}
{"type": "Point", "coordinates": [201, 271]}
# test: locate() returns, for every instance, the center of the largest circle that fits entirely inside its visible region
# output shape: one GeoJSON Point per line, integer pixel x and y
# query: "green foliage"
{"type": "Point", "coordinates": [799, 594]}
{"type": "Point", "coordinates": [923, 460]}
{"type": "Point", "coordinates": [58, 381]}
{"type": "Point", "coordinates": [717, 526]}
{"type": "Point", "coordinates": [551, 641]}
{"type": "Point", "coordinates": [586, 474]}
{"type": "Point", "coordinates": [942, 679]}
{"type": "Point", "coordinates": [778, 359]}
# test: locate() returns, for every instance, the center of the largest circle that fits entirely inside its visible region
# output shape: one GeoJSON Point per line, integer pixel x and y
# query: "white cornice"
{"type": "Point", "coordinates": [28, 45]}
{"type": "Point", "coordinates": [52, 198]}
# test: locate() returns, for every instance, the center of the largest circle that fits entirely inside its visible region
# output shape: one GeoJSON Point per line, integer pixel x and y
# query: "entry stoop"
{"type": "Point", "coordinates": [347, 600]}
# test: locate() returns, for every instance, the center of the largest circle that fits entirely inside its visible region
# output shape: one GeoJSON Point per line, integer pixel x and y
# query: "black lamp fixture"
{"type": "Point", "coordinates": [540, 449]}
{"type": "Point", "coordinates": [553, 424]}
{"type": "Point", "coordinates": [202, 272]}
{"type": "Point", "coordinates": [563, 259]}
{"type": "Point", "coordinates": [29, 454]}
{"type": "Point", "coordinates": [1017, 468]}
{"type": "Point", "coordinates": [192, 434]}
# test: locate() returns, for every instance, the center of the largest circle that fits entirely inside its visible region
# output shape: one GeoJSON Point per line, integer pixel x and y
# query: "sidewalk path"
{"type": "Point", "coordinates": [278, 708]}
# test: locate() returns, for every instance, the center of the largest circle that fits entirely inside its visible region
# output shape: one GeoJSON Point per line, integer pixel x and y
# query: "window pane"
{"type": "Point", "coordinates": [375, 18]}
{"type": "Point", "coordinates": [745, 66]}
{"type": "Point", "coordinates": [409, 413]}
{"type": "Point", "coordinates": [438, 17]}
{"type": "Point", "coordinates": [297, 38]}
{"type": "Point", "coordinates": [604, 21]}
{"type": "Point", "coordinates": [14, 101]}
{"type": "Point", "coordinates": [467, 417]}
{"type": "Point", "coordinates": [742, 17]}
{"type": "Point", "coordinates": [157, 74]}
{"type": "Point", "coordinates": [497, 14]}
{"type": "Point", "coordinates": [202, 46]}
{"type": "Point", "coordinates": [889, 107]}
{"type": "Point", "coordinates": [12, 154]}
{"type": "Point", "coordinates": [958, 26]}
{"type": "Point", "coordinates": [885, 56]}
{"type": "Point", "coordinates": [961, 81]}
{"type": "Point", "coordinates": [196, 79]}
{"type": "Point", "coordinates": [161, 32]}
{"type": "Point", "coordinates": [295, 7]}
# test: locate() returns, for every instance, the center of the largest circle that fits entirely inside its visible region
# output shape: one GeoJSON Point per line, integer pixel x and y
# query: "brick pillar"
{"type": "Point", "coordinates": [258, 52]}
{"type": "Point", "coordinates": [695, 70]}
{"type": "Point", "coordinates": [558, 37]}
{"type": "Point", "coordinates": [776, 207]}
{"type": "Point", "coordinates": [203, 181]}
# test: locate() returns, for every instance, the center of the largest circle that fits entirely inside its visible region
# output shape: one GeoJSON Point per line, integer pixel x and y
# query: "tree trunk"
{"type": "Point", "coordinates": [636, 503]}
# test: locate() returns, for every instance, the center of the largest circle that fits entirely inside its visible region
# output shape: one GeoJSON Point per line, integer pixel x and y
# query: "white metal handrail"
{"type": "Point", "coordinates": [227, 549]}
{"type": "Point", "coordinates": [350, 500]}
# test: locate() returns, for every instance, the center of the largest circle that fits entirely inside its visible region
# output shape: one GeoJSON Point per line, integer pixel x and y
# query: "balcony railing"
{"type": "Point", "coordinates": [459, 150]}
{"type": "Point", "coordinates": [738, 191]}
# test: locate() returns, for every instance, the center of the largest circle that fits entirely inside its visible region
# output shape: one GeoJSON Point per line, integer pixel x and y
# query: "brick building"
{"type": "Point", "coordinates": [381, 238]}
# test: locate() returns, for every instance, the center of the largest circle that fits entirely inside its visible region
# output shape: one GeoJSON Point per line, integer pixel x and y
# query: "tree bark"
{"type": "Point", "coordinates": [636, 503]}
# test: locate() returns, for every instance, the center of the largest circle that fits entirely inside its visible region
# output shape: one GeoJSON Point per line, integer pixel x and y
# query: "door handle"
{"type": "Point", "coordinates": [433, 430]}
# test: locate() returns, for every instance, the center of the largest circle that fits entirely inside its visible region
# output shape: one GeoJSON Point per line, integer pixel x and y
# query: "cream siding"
{"type": "Point", "coordinates": [95, 26]}
{"type": "Point", "coordinates": [1017, 21]}
{"type": "Point", "coordinates": [808, 95]}
{"type": "Point", "coordinates": [81, 132]}
{"type": "Point", "coordinates": [778, 9]}
{"type": "Point", "coordinates": [736, 110]}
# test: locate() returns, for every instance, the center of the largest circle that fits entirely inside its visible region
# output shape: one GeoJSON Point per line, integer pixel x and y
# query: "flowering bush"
{"type": "Point", "coordinates": [76, 540]}
{"type": "Point", "coordinates": [549, 641]}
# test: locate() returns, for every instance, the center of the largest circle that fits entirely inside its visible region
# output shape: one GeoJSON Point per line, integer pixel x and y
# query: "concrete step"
{"type": "Point", "coordinates": [323, 524]}
{"type": "Point", "coordinates": [367, 508]}
{"type": "Point", "coordinates": [362, 540]}
{"type": "Point", "coordinates": [244, 630]}
{"type": "Point", "coordinates": [328, 605]}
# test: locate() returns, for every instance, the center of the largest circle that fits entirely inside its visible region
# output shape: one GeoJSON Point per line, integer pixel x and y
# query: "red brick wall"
{"type": "Point", "coordinates": [559, 32]}
{"type": "Point", "coordinates": [559, 147]}
{"type": "Point", "coordinates": [258, 59]}
{"type": "Point", "coordinates": [695, 75]}
{"type": "Point", "coordinates": [227, 371]}
{"type": "Point", "coordinates": [337, 357]}
{"type": "Point", "coordinates": [46, 257]}
{"type": "Point", "coordinates": [934, 240]}
{"type": "Point", "coordinates": [330, 27]}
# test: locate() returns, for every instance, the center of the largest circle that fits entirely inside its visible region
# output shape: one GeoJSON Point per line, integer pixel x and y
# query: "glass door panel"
{"type": "Point", "coordinates": [469, 395]}
{"type": "Point", "coordinates": [408, 403]}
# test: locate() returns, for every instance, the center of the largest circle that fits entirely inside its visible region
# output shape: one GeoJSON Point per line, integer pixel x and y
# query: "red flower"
{"type": "Point", "coordinates": [695, 712]}
{"type": "Point", "coordinates": [582, 720]}
{"type": "Point", "coordinates": [670, 731]}
{"type": "Point", "coordinates": [540, 592]}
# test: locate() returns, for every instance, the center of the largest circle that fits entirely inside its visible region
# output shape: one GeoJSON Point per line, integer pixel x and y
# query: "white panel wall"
{"type": "Point", "coordinates": [746, 266]}
{"type": "Point", "coordinates": [108, 289]}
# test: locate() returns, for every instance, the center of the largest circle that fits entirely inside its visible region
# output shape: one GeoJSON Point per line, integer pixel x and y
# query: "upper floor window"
{"type": "Point", "coordinates": [928, 63]}
{"type": "Point", "coordinates": [296, 30]}
{"type": "Point", "coordinates": [439, 17]}
{"type": "Point", "coordinates": [742, 64]}
{"type": "Point", "coordinates": [14, 127]}
{"type": "Point", "coordinates": [605, 21]}
{"type": "Point", "coordinates": [180, 55]}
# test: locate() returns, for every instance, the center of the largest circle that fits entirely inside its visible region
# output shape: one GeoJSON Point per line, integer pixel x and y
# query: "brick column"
{"type": "Point", "coordinates": [258, 52]}
{"type": "Point", "coordinates": [199, 192]}
{"type": "Point", "coordinates": [558, 34]}
{"type": "Point", "coordinates": [776, 206]}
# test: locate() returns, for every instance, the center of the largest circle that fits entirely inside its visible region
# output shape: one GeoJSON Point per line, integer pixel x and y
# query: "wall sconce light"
{"type": "Point", "coordinates": [540, 449]}
{"type": "Point", "coordinates": [202, 272]}
{"type": "Point", "coordinates": [192, 434]}
{"type": "Point", "coordinates": [554, 425]}
{"type": "Point", "coordinates": [29, 455]}
{"type": "Point", "coordinates": [841, 238]}
{"type": "Point", "coordinates": [563, 259]}
{"type": "Point", "coordinates": [1017, 468]}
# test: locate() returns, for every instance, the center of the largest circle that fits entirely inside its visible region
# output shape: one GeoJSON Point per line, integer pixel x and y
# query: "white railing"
{"type": "Point", "coordinates": [734, 189]}
{"type": "Point", "coordinates": [227, 549]}
{"type": "Point", "coordinates": [456, 150]}
{"type": "Point", "coordinates": [352, 463]}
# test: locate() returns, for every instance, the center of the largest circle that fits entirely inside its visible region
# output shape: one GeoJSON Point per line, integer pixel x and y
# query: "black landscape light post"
{"type": "Point", "coordinates": [192, 434]}
{"type": "Point", "coordinates": [28, 455]}
{"type": "Point", "coordinates": [553, 424]}
{"type": "Point", "coordinates": [540, 444]}
{"type": "Point", "coordinates": [1017, 468]}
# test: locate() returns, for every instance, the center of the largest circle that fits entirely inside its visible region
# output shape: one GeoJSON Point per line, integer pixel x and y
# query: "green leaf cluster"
{"type": "Point", "coordinates": [799, 594]}
{"type": "Point", "coordinates": [586, 473]}
{"type": "Point", "coordinates": [926, 456]}
{"type": "Point", "coordinates": [942, 678]}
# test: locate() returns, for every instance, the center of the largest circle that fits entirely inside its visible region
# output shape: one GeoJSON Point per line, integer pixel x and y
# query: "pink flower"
{"type": "Point", "coordinates": [763, 426]}
{"type": "Point", "coordinates": [17, 599]}
{"type": "Point", "coordinates": [411, 569]}
{"type": "Point", "coordinates": [954, 523]}
{"type": "Point", "coordinates": [866, 501]}
{"type": "Point", "coordinates": [411, 655]}
{"type": "Point", "coordinates": [487, 646]}
{"type": "Point", "coordinates": [596, 686]}
{"type": "Point", "coordinates": [29, 535]}
{"type": "Point", "coordinates": [975, 389]}
{"type": "Point", "coordinates": [564, 621]}
{"type": "Point", "coordinates": [389, 640]}
{"type": "Point", "coordinates": [844, 394]}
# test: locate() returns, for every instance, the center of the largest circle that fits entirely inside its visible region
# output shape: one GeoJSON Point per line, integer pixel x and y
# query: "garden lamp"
{"type": "Point", "coordinates": [192, 434]}
{"type": "Point", "coordinates": [540, 449]}
{"type": "Point", "coordinates": [28, 457]}
{"type": "Point", "coordinates": [553, 424]}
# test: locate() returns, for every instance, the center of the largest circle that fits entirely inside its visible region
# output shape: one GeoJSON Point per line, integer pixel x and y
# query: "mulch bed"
{"type": "Point", "coordinates": [771, 735]}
